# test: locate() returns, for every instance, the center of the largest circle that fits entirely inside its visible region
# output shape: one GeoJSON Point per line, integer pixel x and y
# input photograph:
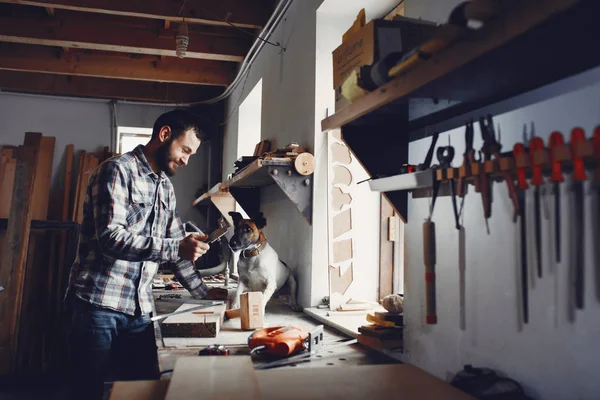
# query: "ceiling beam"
{"type": "Point", "coordinates": [19, 57]}
{"type": "Point", "coordinates": [62, 85]}
{"type": "Point", "coordinates": [94, 36]}
{"type": "Point", "coordinates": [242, 13]}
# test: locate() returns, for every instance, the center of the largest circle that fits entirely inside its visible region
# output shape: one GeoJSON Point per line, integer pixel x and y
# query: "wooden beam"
{"type": "Point", "coordinates": [14, 254]}
{"type": "Point", "coordinates": [242, 13]}
{"type": "Point", "coordinates": [109, 37]}
{"type": "Point", "coordinates": [18, 57]}
{"type": "Point", "coordinates": [63, 85]}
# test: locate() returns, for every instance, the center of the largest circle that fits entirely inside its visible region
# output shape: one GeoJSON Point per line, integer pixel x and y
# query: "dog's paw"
{"type": "Point", "coordinates": [296, 307]}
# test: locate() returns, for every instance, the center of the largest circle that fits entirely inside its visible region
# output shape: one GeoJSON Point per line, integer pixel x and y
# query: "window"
{"type": "Point", "coordinates": [129, 137]}
{"type": "Point", "coordinates": [249, 123]}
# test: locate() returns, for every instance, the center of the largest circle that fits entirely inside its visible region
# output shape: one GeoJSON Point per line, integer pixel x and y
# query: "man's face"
{"type": "Point", "coordinates": [176, 152]}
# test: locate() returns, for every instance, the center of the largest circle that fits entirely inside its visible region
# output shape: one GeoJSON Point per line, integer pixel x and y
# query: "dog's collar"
{"type": "Point", "coordinates": [260, 246]}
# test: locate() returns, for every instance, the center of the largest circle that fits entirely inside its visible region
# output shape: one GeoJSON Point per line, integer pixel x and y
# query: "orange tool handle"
{"type": "Point", "coordinates": [556, 140]}
{"type": "Point", "coordinates": [518, 150]}
{"type": "Point", "coordinates": [596, 143]}
{"type": "Point", "coordinates": [577, 135]}
{"type": "Point", "coordinates": [429, 257]}
{"type": "Point", "coordinates": [536, 143]}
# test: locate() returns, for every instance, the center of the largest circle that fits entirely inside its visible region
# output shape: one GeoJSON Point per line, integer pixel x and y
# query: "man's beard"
{"type": "Point", "coordinates": [163, 158]}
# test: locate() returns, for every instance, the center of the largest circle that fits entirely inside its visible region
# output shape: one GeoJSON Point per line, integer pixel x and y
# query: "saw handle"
{"type": "Point", "coordinates": [577, 135]}
{"type": "Point", "coordinates": [556, 140]}
{"type": "Point", "coordinates": [536, 143]}
{"type": "Point", "coordinates": [596, 144]}
{"type": "Point", "coordinates": [519, 150]}
{"type": "Point", "coordinates": [429, 258]}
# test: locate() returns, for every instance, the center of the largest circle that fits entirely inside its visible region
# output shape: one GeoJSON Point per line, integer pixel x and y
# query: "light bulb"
{"type": "Point", "coordinates": [182, 39]}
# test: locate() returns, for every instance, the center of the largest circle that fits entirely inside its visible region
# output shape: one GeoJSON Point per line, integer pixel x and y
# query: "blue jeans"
{"type": "Point", "coordinates": [107, 345]}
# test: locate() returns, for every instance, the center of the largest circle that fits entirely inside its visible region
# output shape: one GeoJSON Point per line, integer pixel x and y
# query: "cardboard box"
{"type": "Point", "coordinates": [252, 310]}
{"type": "Point", "coordinates": [376, 40]}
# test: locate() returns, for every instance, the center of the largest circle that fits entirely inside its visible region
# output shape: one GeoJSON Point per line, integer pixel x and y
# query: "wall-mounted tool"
{"type": "Point", "coordinates": [429, 157]}
{"type": "Point", "coordinates": [491, 147]}
{"type": "Point", "coordinates": [520, 156]}
{"type": "Point", "coordinates": [445, 155]}
{"type": "Point", "coordinates": [595, 187]}
{"type": "Point", "coordinates": [468, 161]}
{"type": "Point", "coordinates": [578, 178]}
{"type": "Point", "coordinates": [556, 140]}
{"type": "Point", "coordinates": [536, 144]}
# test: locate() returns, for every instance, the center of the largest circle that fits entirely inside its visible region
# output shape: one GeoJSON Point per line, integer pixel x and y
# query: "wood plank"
{"type": "Point", "coordinates": [207, 378]}
{"type": "Point", "coordinates": [81, 86]}
{"type": "Point", "coordinates": [83, 34]}
{"type": "Point", "coordinates": [79, 180]}
{"type": "Point", "coordinates": [21, 57]}
{"type": "Point", "coordinates": [240, 13]}
{"type": "Point", "coordinates": [252, 310]}
{"type": "Point", "coordinates": [386, 250]}
{"type": "Point", "coordinates": [67, 181]}
{"type": "Point", "coordinates": [15, 249]}
{"type": "Point", "coordinates": [396, 381]}
{"type": "Point", "coordinates": [194, 325]}
{"type": "Point", "coordinates": [139, 390]}
{"type": "Point", "coordinates": [7, 176]}
{"type": "Point", "coordinates": [43, 179]}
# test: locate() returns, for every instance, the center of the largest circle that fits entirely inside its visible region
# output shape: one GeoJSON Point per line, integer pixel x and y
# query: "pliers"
{"type": "Point", "coordinates": [491, 148]}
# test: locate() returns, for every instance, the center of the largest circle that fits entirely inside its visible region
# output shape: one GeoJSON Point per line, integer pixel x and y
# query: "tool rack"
{"type": "Point", "coordinates": [245, 188]}
{"type": "Point", "coordinates": [515, 51]}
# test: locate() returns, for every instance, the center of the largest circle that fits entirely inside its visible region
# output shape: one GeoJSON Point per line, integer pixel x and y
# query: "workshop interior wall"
{"type": "Point", "coordinates": [552, 357]}
{"type": "Point", "coordinates": [87, 123]}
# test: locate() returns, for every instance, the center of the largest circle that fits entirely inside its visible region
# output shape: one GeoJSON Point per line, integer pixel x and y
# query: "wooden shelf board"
{"type": "Point", "coordinates": [255, 174]}
{"type": "Point", "coordinates": [513, 53]}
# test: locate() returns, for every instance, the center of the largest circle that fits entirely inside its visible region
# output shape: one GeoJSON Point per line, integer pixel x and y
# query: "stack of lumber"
{"type": "Point", "coordinates": [33, 267]}
{"type": "Point", "coordinates": [384, 332]}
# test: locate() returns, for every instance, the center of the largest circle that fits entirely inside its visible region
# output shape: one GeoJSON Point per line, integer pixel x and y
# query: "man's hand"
{"type": "Point", "coordinates": [192, 247]}
{"type": "Point", "coordinates": [216, 294]}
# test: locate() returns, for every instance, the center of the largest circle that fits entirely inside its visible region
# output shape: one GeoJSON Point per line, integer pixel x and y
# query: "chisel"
{"type": "Point", "coordinates": [578, 248]}
{"type": "Point", "coordinates": [556, 140]}
{"type": "Point", "coordinates": [519, 152]}
{"type": "Point", "coordinates": [535, 144]}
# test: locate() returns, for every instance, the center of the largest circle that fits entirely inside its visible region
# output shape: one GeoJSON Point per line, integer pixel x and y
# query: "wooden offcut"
{"type": "Point", "coordinates": [194, 325]}
{"type": "Point", "coordinates": [252, 310]}
{"type": "Point", "coordinates": [14, 255]}
{"type": "Point", "coordinates": [342, 251]}
{"type": "Point", "coordinates": [213, 378]}
{"type": "Point", "coordinates": [139, 390]}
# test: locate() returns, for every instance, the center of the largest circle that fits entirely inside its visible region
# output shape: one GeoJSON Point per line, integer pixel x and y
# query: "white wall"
{"type": "Point", "coordinates": [552, 357]}
{"type": "Point", "coordinates": [88, 125]}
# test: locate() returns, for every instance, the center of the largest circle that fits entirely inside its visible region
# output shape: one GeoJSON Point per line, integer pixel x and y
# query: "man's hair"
{"type": "Point", "coordinates": [179, 121]}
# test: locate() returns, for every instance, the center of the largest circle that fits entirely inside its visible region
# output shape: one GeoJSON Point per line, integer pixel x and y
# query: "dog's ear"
{"type": "Point", "coordinates": [260, 221]}
{"type": "Point", "coordinates": [237, 217]}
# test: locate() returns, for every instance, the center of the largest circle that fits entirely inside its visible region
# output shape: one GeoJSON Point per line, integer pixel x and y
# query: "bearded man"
{"type": "Point", "coordinates": [130, 226]}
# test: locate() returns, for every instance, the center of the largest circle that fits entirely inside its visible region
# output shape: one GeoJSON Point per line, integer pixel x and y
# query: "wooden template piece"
{"type": "Point", "coordinates": [340, 199]}
{"type": "Point", "coordinates": [341, 176]}
{"type": "Point", "coordinates": [339, 281]}
{"type": "Point", "coordinates": [213, 378]}
{"type": "Point", "coordinates": [342, 251]}
{"type": "Point", "coordinates": [342, 223]}
{"type": "Point", "coordinates": [337, 134]}
{"type": "Point", "coordinates": [340, 153]}
{"type": "Point", "coordinates": [14, 255]}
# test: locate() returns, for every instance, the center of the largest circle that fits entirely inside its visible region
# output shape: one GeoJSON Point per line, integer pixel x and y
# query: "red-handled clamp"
{"type": "Point", "coordinates": [519, 150]}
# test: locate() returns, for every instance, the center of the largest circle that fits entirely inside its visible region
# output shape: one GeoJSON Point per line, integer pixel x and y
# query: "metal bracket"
{"type": "Point", "coordinates": [298, 188]}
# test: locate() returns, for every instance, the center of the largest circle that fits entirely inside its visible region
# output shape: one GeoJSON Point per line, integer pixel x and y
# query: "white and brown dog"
{"type": "Point", "coordinates": [259, 266]}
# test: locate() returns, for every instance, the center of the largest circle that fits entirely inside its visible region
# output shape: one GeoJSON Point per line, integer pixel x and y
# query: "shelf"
{"type": "Point", "coordinates": [526, 47]}
{"type": "Point", "coordinates": [221, 198]}
{"type": "Point", "coordinates": [530, 45]}
{"type": "Point", "coordinates": [245, 187]}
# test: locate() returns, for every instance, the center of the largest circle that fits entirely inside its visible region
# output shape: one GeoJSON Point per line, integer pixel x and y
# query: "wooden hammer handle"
{"type": "Point", "coordinates": [429, 257]}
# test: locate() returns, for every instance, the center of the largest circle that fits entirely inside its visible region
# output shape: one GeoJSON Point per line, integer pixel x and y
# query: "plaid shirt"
{"type": "Point", "coordinates": [130, 226]}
